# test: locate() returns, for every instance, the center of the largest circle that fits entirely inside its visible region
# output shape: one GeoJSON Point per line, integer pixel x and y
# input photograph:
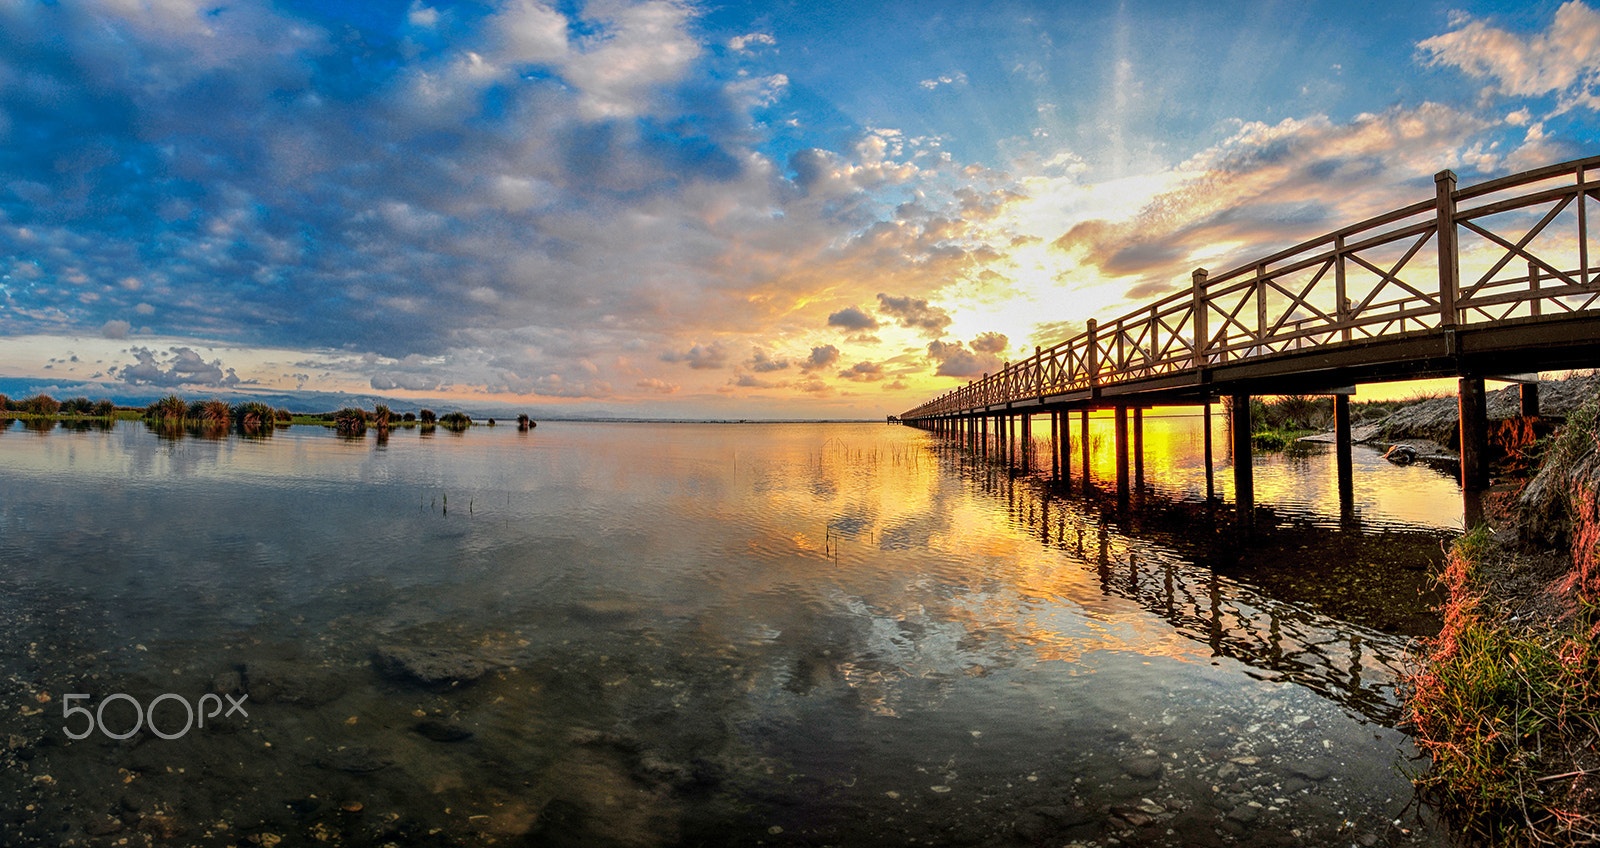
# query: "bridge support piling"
{"type": "Point", "coordinates": [1474, 435]}
{"type": "Point", "coordinates": [983, 436]}
{"type": "Point", "coordinates": [1211, 486]}
{"type": "Point", "coordinates": [1122, 451]}
{"type": "Point", "coordinates": [1066, 446]}
{"type": "Point", "coordinates": [1244, 495]}
{"type": "Point", "coordinates": [1027, 442]}
{"type": "Point", "coordinates": [1530, 399]}
{"type": "Point", "coordinates": [1088, 480]}
{"type": "Point", "coordinates": [1055, 444]}
{"type": "Point", "coordinates": [1341, 446]}
{"type": "Point", "coordinates": [1138, 447]}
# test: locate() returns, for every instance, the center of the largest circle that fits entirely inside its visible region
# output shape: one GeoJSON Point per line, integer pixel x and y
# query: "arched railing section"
{"type": "Point", "coordinates": [1512, 248]}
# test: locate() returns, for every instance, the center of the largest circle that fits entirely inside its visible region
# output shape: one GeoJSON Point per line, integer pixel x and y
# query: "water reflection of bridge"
{"type": "Point", "coordinates": [1231, 586]}
{"type": "Point", "coordinates": [1493, 280]}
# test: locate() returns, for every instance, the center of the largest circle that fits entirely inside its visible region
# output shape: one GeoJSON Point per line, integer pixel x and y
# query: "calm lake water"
{"type": "Point", "coordinates": [700, 634]}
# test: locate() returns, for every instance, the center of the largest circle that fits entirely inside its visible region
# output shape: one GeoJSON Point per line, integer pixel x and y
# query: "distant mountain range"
{"type": "Point", "coordinates": [299, 402]}
{"type": "Point", "coordinates": [312, 403]}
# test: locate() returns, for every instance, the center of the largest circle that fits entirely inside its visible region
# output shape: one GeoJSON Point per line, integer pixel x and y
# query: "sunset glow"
{"type": "Point", "coordinates": [675, 209]}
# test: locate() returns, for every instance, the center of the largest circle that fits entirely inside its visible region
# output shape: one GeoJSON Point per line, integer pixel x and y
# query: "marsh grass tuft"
{"type": "Point", "coordinates": [350, 421]}
{"type": "Point", "coordinates": [1498, 707]}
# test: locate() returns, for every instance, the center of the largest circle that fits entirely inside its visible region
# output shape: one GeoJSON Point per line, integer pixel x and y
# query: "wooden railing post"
{"type": "Point", "coordinates": [1261, 308]}
{"type": "Point", "coordinates": [1583, 231]}
{"type": "Point", "coordinates": [1202, 338]}
{"type": "Point", "coordinates": [1340, 294]}
{"type": "Point", "coordinates": [1449, 264]}
{"type": "Point", "coordinates": [1533, 288]}
{"type": "Point", "coordinates": [1092, 359]}
{"type": "Point", "coordinates": [1038, 371]}
{"type": "Point", "coordinates": [1153, 340]}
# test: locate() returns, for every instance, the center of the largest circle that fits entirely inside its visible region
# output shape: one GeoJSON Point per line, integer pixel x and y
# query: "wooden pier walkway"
{"type": "Point", "coordinates": [1489, 281]}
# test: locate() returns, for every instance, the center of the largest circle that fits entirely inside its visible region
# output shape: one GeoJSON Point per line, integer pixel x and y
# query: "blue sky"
{"type": "Point", "coordinates": [664, 208]}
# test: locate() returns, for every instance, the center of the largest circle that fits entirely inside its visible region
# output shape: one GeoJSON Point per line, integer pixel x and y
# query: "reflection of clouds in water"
{"type": "Point", "coordinates": [684, 585]}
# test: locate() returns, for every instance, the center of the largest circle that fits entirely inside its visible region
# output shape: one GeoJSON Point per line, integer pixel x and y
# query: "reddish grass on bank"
{"type": "Point", "coordinates": [1506, 699]}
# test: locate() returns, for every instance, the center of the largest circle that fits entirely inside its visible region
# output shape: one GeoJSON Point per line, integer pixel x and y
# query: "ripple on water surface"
{"type": "Point", "coordinates": [691, 634]}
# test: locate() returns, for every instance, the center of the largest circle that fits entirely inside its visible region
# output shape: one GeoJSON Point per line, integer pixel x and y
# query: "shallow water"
{"type": "Point", "coordinates": [799, 634]}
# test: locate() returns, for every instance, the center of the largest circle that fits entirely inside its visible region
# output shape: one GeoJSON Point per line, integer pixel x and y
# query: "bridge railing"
{"type": "Point", "coordinates": [1510, 248]}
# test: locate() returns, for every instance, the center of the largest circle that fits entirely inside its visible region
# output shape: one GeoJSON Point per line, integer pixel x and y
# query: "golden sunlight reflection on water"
{"type": "Point", "coordinates": [832, 625]}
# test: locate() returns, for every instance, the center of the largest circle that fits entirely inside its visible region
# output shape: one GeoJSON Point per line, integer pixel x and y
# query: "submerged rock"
{"type": "Point", "coordinates": [428, 666]}
{"type": "Point", "coordinates": [268, 680]}
{"type": "Point", "coordinates": [1142, 768]}
{"type": "Point", "coordinates": [162, 827]}
{"type": "Point", "coordinates": [356, 760]}
{"type": "Point", "coordinates": [1310, 769]}
{"type": "Point", "coordinates": [442, 731]}
{"type": "Point", "coordinates": [102, 826]}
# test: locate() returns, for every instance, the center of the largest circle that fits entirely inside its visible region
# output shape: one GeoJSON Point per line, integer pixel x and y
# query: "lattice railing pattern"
{"type": "Point", "coordinates": [1514, 247]}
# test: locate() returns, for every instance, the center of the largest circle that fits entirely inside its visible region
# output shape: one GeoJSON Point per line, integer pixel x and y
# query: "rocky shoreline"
{"type": "Point", "coordinates": [1426, 430]}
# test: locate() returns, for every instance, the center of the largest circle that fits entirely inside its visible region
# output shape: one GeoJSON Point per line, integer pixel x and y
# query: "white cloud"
{"type": "Point", "coordinates": [957, 78]}
{"type": "Point", "coordinates": [531, 32]}
{"type": "Point", "coordinates": [638, 50]}
{"type": "Point", "coordinates": [741, 43]}
{"type": "Point", "coordinates": [659, 386]}
{"type": "Point", "coordinates": [1565, 58]}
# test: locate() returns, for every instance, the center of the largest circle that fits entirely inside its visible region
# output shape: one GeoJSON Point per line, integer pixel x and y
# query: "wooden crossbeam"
{"type": "Point", "coordinates": [1518, 250]}
{"type": "Point", "coordinates": [1391, 276]}
{"type": "Point", "coordinates": [1300, 299]}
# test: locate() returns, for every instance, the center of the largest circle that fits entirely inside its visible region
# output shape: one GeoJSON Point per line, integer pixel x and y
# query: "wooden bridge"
{"type": "Point", "coordinates": [1490, 281]}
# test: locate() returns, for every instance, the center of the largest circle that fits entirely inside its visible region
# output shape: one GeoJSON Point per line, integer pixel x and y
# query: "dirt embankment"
{"type": "Point", "coordinates": [1432, 424]}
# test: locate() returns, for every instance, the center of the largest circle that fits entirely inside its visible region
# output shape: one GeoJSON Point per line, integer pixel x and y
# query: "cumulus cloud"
{"type": "Point", "coordinates": [956, 360]}
{"type": "Point", "coordinates": [863, 372]}
{"type": "Point", "coordinates": [530, 32]}
{"type": "Point", "coordinates": [388, 381]}
{"type": "Point", "coordinates": [636, 50]}
{"type": "Point", "coordinates": [916, 314]}
{"type": "Point", "coordinates": [762, 362]}
{"type": "Point", "coordinates": [852, 319]}
{"type": "Point", "coordinates": [183, 367]}
{"type": "Point", "coordinates": [751, 381]}
{"type": "Point", "coordinates": [565, 183]}
{"type": "Point", "coordinates": [658, 386]}
{"type": "Point", "coordinates": [1564, 58]}
{"type": "Point", "coordinates": [821, 357]}
{"type": "Point", "coordinates": [700, 357]}
{"type": "Point", "coordinates": [1269, 185]}
{"type": "Point", "coordinates": [990, 342]}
